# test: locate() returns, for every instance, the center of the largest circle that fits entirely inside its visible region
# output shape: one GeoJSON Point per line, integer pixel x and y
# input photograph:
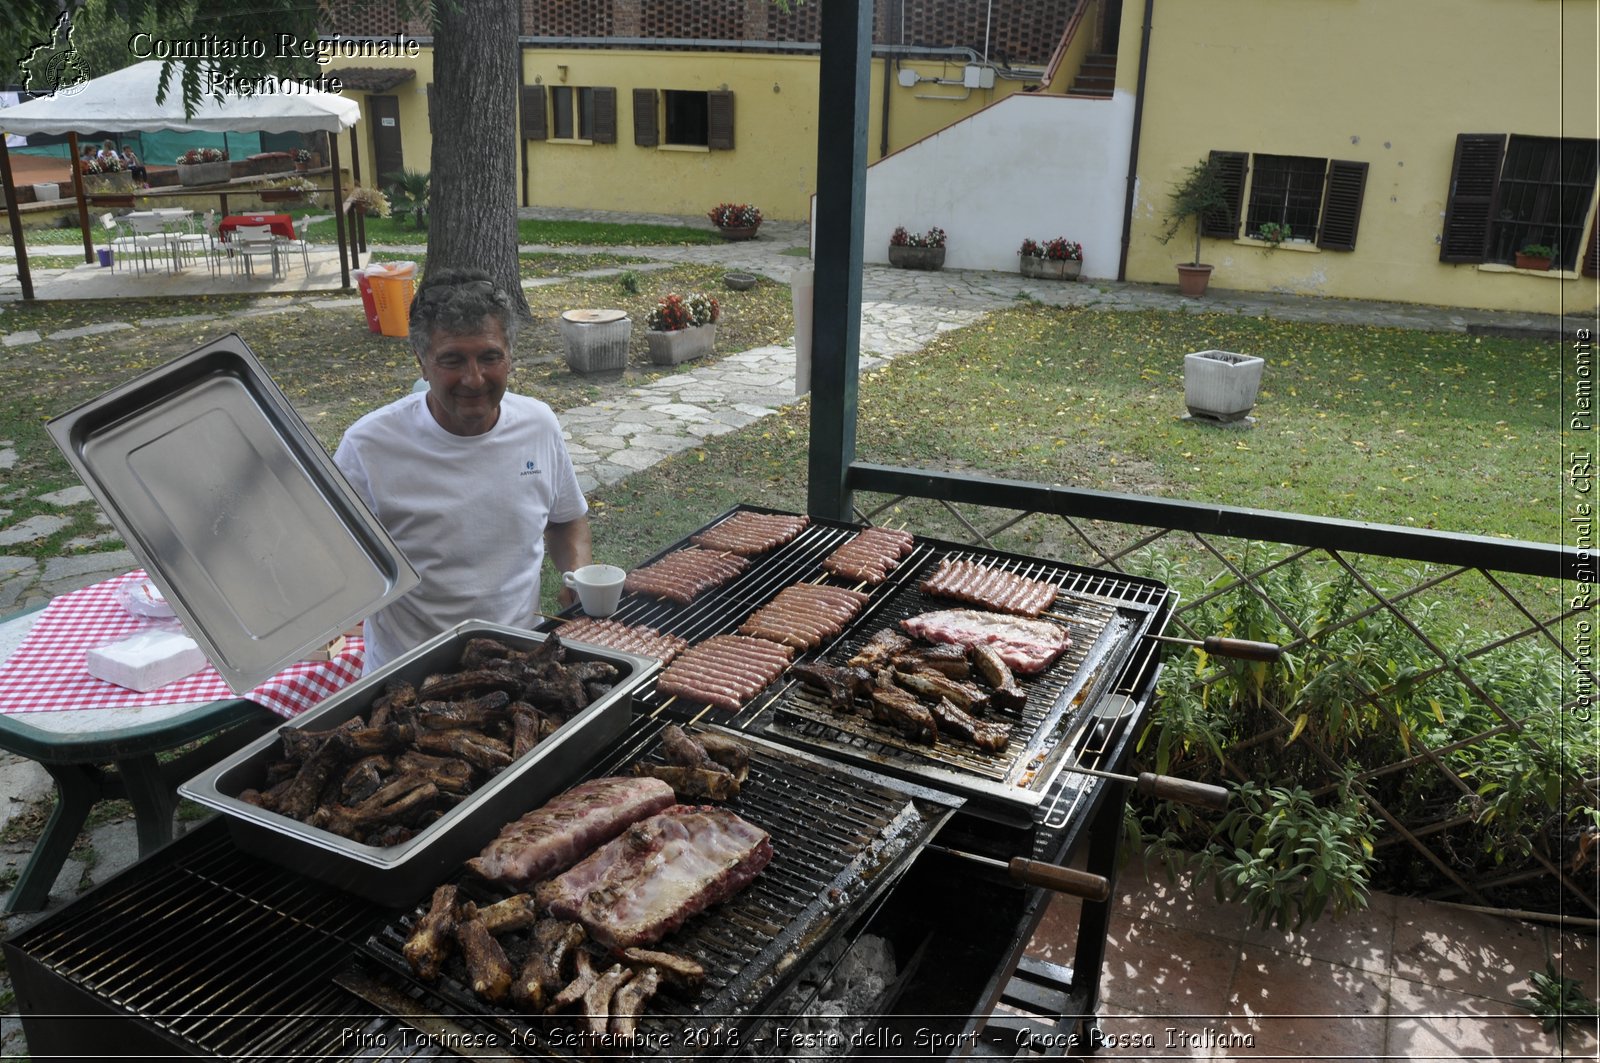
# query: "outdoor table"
{"type": "Point", "coordinates": [281, 224]}
{"type": "Point", "coordinates": [111, 749]}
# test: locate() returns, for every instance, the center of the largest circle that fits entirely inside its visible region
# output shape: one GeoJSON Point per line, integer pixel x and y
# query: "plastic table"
{"type": "Point", "coordinates": [94, 754]}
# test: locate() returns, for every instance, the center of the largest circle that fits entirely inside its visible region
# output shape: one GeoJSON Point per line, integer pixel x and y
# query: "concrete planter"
{"type": "Point", "coordinates": [1058, 269]}
{"type": "Point", "coordinates": [1221, 385]}
{"type": "Point", "coordinates": [204, 173]}
{"type": "Point", "coordinates": [597, 340]}
{"type": "Point", "coordinates": [681, 345]}
{"type": "Point", "coordinates": [100, 184]}
{"type": "Point", "coordinates": [916, 257]}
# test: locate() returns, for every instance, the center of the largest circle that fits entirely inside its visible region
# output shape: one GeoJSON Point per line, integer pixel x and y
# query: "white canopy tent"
{"type": "Point", "coordinates": [125, 101]}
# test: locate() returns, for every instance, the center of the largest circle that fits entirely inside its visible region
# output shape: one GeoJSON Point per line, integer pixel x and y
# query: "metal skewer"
{"type": "Point", "coordinates": [1038, 873]}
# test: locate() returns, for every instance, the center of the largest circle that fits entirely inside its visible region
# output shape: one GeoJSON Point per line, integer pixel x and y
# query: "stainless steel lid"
{"type": "Point", "coordinates": [238, 514]}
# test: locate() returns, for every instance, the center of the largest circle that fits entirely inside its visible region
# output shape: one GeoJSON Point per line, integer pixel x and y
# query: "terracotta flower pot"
{"type": "Point", "coordinates": [1193, 279]}
{"type": "Point", "coordinates": [738, 232]}
{"type": "Point", "coordinates": [1538, 262]}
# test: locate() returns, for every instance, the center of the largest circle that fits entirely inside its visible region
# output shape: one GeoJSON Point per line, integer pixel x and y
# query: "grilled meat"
{"type": "Point", "coordinates": [627, 1004]}
{"type": "Point", "coordinates": [516, 912]}
{"type": "Point", "coordinates": [476, 749]}
{"type": "Point", "coordinates": [804, 614]}
{"type": "Point", "coordinates": [749, 534]}
{"type": "Point", "coordinates": [725, 670]}
{"type": "Point", "coordinates": [362, 779]}
{"type": "Point", "coordinates": [597, 1000]}
{"type": "Point", "coordinates": [684, 574]}
{"type": "Point", "coordinates": [901, 709]}
{"type": "Point", "coordinates": [948, 661]}
{"type": "Point", "coordinates": [643, 885]}
{"type": "Point", "coordinates": [991, 588]}
{"type": "Point", "coordinates": [559, 833]}
{"type": "Point", "coordinates": [584, 975]}
{"type": "Point", "coordinates": [396, 696]}
{"type": "Point", "coordinates": [935, 687]}
{"type": "Point", "coordinates": [870, 556]}
{"type": "Point", "coordinates": [986, 735]}
{"type": "Point", "coordinates": [554, 940]}
{"type": "Point", "coordinates": [450, 774]}
{"type": "Point", "coordinates": [620, 636]}
{"type": "Point", "coordinates": [433, 938]}
{"type": "Point", "coordinates": [476, 713]}
{"type": "Point", "coordinates": [700, 784]}
{"type": "Point", "coordinates": [841, 685]}
{"type": "Point", "coordinates": [453, 686]}
{"type": "Point", "coordinates": [487, 967]}
{"type": "Point", "coordinates": [880, 649]}
{"type": "Point", "coordinates": [729, 752]}
{"type": "Point", "coordinates": [1004, 692]}
{"type": "Point", "coordinates": [1027, 646]}
{"type": "Point", "coordinates": [400, 801]}
{"type": "Point", "coordinates": [679, 971]}
{"type": "Point", "coordinates": [680, 749]}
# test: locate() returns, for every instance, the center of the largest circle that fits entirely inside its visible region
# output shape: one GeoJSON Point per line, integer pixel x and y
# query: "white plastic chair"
{"type": "Point", "coordinates": [150, 235]}
{"type": "Point", "coordinates": [204, 242]}
{"type": "Point", "coordinates": [248, 241]}
{"type": "Point", "coordinates": [120, 244]}
{"type": "Point", "coordinates": [298, 243]}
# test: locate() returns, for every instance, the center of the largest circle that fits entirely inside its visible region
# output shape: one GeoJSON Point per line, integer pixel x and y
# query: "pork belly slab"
{"type": "Point", "coordinates": [1027, 646]}
{"type": "Point", "coordinates": [643, 885]}
{"type": "Point", "coordinates": [564, 829]}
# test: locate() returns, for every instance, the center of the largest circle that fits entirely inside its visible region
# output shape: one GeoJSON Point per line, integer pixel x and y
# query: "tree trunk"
{"type": "Point", "coordinates": [473, 223]}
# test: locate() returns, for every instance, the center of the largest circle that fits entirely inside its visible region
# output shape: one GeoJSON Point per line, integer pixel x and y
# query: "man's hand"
{"type": "Point", "coordinates": [569, 547]}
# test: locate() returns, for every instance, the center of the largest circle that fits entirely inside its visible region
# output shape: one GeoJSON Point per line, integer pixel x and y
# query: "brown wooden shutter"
{"type": "Point", "coordinates": [605, 117]}
{"type": "Point", "coordinates": [719, 120]}
{"type": "Point", "coordinates": [1232, 166]}
{"type": "Point", "coordinates": [1474, 181]}
{"type": "Point", "coordinates": [1591, 257]}
{"type": "Point", "coordinates": [1341, 205]}
{"type": "Point", "coordinates": [535, 123]}
{"type": "Point", "coordinates": [645, 133]}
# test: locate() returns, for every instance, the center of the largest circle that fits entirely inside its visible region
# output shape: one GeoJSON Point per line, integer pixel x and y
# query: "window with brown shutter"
{"type": "Point", "coordinates": [719, 120]}
{"type": "Point", "coordinates": [645, 125]}
{"type": "Point", "coordinates": [1286, 190]}
{"type": "Point", "coordinates": [1341, 207]}
{"type": "Point", "coordinates": [1231, 166]}
{"type": "Point", "coordinates": [534, 125]}
{"type": "Point", "coordinates": [1474, 178]}
{"type": "Point", "coordinates": [1591, 257]}
{"type": "Point", "coordinates": [604, 130]}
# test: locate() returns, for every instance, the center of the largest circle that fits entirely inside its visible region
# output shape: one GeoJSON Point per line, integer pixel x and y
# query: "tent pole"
{"type": "Point", "coordinates": [83, 204]}
{"type": "Point", "coordinates": [338, 209]}
{"type": "Point", "coordinates": [24, 275]}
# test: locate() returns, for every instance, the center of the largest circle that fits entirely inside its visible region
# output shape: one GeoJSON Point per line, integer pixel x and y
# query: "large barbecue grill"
{"type": "Point", "coordinates": [207, 950]}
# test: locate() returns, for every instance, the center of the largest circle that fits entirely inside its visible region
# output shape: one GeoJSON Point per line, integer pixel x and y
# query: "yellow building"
{"type": "Point", "coordinates": [1379, 149]}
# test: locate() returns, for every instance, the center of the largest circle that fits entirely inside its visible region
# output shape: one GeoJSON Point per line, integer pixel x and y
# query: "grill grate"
{"type": "Point", "coordinates": [839, 839]}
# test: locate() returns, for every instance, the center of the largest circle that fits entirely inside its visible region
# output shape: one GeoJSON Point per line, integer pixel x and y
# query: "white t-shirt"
{"type": "Point", "coordinates": [468, 512]}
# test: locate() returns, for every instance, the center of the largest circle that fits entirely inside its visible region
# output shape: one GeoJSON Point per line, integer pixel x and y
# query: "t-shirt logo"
{"type": "Point", "coordinates": [531, 468]}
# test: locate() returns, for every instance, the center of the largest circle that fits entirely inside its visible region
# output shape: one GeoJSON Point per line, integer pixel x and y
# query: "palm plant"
{"type": "Point", "coordinates": [408, 194]}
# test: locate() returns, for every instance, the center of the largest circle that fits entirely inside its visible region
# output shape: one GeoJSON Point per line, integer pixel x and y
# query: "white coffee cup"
{"type": "Point", "coordinates": [599, 587]}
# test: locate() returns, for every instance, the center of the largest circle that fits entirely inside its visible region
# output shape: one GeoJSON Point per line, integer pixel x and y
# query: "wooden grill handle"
{"type": "Point", "coordinates": [1058, 878]}
{"type": "Point", "coordinates": [1185, 791]}
{"type": "Point", "coordinates": [1244, 649]}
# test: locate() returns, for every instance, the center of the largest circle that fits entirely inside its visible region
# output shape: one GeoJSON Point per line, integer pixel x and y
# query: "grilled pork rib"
{"type": "Point", "coordinates": [556, 835]}
{"type": "Point", "coordinates": [1027, 646]}
{"type": "Point", "coordinates": [643, 885]}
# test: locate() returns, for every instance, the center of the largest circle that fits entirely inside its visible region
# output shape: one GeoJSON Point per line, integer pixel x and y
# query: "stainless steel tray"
{"type": "Point", "coordinates": [238, 514]}
{"type": "Point", "coordinates": [399, 874]}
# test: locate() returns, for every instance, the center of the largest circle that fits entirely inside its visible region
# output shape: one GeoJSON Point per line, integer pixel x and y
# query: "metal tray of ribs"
{"type": "Point", "coordinates": [1105, 615]}
{"type": "Point", "coordinates": [840, 838]}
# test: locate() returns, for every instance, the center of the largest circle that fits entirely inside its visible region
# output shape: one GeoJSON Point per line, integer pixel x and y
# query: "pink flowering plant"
{"type": "Point", "coordinates": [196, 156]}
{"type": "Point", "coordinates": [934, 237]}
{"type": "Point", "coordinates": [1059, 249]}
{"type": "Point", "coordinates": [90, 167]}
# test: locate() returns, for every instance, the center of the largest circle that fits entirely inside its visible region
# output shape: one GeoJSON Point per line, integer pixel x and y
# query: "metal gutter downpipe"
{"type": "Point", "coordinates": [1133, 146]}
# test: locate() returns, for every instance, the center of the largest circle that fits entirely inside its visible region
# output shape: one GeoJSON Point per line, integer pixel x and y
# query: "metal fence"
{"type": "Point", "coordinates": [1435, 676]}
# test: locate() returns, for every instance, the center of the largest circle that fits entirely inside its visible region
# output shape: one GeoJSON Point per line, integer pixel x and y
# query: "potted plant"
{"type": "Point", "coordinates": [735, 221]}
{"type": "Point", "coordinates": [1535, 256]}
{"type": "Point", "coordinates": [368, 201]}
{"type": "Point", "coordinates": [916, 250]}
{"type": "Point", "coordinates": [1274, 232]}
{"type": "Point", "coordinates": [302, 159]}
{"type": "Point", "coordinates": [203, 166]}
{"type": "Point", "coordinates": [1057, 259]}
{"type": "Point", "coordinates": [290, 190]}
{"type": "Point", "coordinates": [105, 175]}
{"type": "Point", "coordinates": [1202, 191]}
{"type": "Point", "coordinates": [682, 328]}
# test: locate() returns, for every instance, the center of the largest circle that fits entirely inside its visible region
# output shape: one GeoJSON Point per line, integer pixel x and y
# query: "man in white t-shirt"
{"type": "Point", "coordinates": [471, 481]}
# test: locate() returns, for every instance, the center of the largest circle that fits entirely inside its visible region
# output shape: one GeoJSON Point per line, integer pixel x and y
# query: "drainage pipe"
{"type": "Point", "coordinates": [1133, 146]}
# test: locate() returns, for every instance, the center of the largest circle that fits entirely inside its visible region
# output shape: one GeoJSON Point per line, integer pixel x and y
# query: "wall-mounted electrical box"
{"type": "Point", "coordinates": [978, 77]}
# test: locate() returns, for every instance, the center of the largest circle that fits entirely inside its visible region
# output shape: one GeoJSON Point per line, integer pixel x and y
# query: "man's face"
{"type": "Point", "coordinates": [466, 374]}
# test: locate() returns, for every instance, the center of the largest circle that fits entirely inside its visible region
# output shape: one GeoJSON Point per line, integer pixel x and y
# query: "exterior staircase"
{"type": "Point", "coordinates": [1096, 77]}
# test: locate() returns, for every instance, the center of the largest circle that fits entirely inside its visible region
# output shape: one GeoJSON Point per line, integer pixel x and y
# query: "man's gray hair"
{"type": "Point", "coordinates": [458, 301]}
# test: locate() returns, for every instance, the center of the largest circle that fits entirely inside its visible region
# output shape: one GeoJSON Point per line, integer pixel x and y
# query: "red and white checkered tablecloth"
{"type": "Point", "coordinates": [47, 672]}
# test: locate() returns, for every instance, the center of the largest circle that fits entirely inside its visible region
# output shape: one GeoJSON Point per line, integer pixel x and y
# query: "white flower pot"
{"type": "Point", "coordinates": [680, 345]}
{"type": "Point", "coordinates": [597, 340]}
{"type": "Point", "coordinates": [1221, 385]}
